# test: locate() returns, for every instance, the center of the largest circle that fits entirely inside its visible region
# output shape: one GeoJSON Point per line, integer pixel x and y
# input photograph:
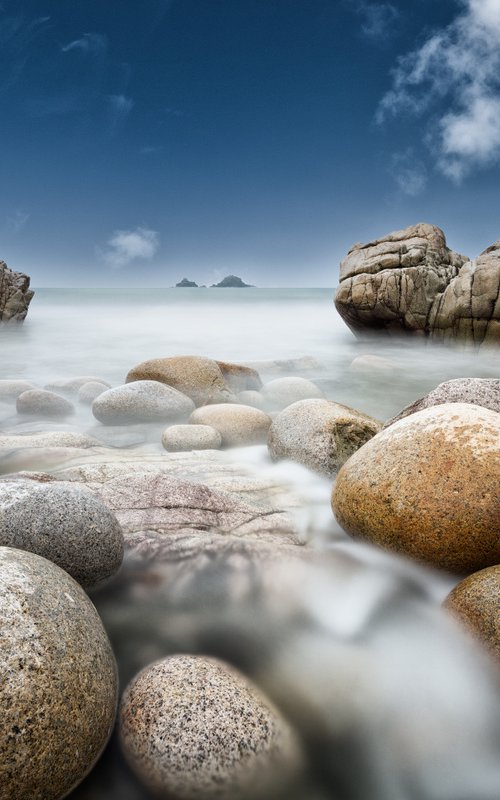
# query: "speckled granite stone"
{"type": "Point", "coordinates": [237, 424]}
{"type": "Point", "coordinates": [65, 524]}
{"type": "Point", "coordinates": [193, 728]}
{"type": "Point", "coordinates": [141, 401]}
{"type": "Point", "coordinates": [178, 438]}
{"type": "Point", "coordinates": [475, 602]}
{"type": "Point", "coordinates": [479, 391]}
{"type": "Point", "coordinates": [57, 680]}
{"type": "Point", "coordinates": [42, 403]}
{"type": "Point", "coordinates": [428, 486]}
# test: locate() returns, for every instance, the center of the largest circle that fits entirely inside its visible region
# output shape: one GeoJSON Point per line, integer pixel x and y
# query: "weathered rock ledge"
{"type": "Point", "coordinates": [15, 294]}
{"type": "Point", "coordinates": [410, 282]}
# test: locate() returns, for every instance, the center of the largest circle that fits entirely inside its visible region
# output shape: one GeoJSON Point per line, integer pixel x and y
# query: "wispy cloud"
{"type": "Point", "coordinates": [126, 246]}
{"type": "Point", "coordinates": [378, 20]}
{"type": "Point", "coordinates": [120, 107]}
{"type": "Point", "coordinates": [409, 173]}
{"type": "Point", "coordinates": [16, 222]}
{"type": "Point", "coordinates": [456, 74]}
{"type": "Point", "coordinates": [89, 43]}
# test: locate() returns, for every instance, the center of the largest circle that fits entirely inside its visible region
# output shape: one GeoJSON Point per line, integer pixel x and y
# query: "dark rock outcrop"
{"type": "Point", "coordinates": [186, 284]}
{"type": "Point", "coordinates": [15, 294]}
{"type": "Point", "coordinates": [232, 282]}
{"type": "Point", "coordinates": [410, 282]}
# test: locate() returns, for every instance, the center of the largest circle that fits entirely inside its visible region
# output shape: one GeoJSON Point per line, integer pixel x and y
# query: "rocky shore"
{"type": "Point", "coordinates": [256, 644]}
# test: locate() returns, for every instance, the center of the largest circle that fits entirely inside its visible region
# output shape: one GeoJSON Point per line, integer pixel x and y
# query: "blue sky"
{"type": "Point", "coordinates": [142, 142]}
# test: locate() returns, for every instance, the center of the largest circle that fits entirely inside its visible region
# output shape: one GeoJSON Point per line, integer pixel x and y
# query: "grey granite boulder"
{"type": "Point", "coordinates": [190, 437]}
{"type": "Point", "coordinates": [193, 727]}
{"type": "Point", "coordinates": [141, 401]}
{"type": "Point", "coordinates": [66, 524]}
{"type": "Point", "coordinates": [11, 389]}
{"type": "Point", "coordinates": [199, 378]}
{"type": "Point", "coordinates": [282, 392]}
{"type": "Point", "coordinates": [58, 685]}
{"type": "Point", "coordinates": [319, 434]}
{"type": "Point", "coordinates": [237, 424]}
{"type": "Point", "coordinates": [72, 386]}
{"type": "Point", "coordinates": [42, 403]}
{"type": "Point", "coordinates": [15, 294]}
{"type": "Point", "coordinates": [90, 390]}
{"type": "Point", "coordinates": [480, 391]}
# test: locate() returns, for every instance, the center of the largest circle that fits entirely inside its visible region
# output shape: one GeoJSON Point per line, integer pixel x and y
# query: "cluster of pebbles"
{"type": "Point", "coordinates": [424, 485]}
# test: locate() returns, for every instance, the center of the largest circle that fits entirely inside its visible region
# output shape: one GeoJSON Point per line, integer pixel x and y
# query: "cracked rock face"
{"type": "Point", "coordinates": [15, 294]}
{"type": "Point", "coordinates": [410, 282]}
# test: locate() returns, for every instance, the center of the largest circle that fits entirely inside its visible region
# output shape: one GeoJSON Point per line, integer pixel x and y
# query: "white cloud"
{"type": "Point", "coordinates": [17, 221]}
{"type": "Point", "coordinates": [378, 18]}
{"type": "Point", "coordinates": [456, 74]}
{"type": "Point", "coordinates": [120, 107]}
{"type": "Point", "coordinates": [126, 246]}
{"type": "Point", "coordinates": [409, 173]}
{"type": "Point", "coordinates": [92, 43]}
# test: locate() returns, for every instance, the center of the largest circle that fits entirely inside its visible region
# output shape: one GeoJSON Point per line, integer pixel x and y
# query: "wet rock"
{"type": "Point", "coordinates": [15, 294]}
{"type": "Point", "coordinates": [63, 523]}
{"type": "Point", "coordinates": [58, 685]}
{"type": "Point", "coordinates": [48, 439]}
{"type": "Point", "coordinates": [483, 392]}
{"type": "Point", "coordinates": [475, 602]}
{"type": "Point", "coordinates": [319, 434]}
{"type": "Point", "coordinates": [194, 727]}
{"type": "Point", "coordinates": [237, 424]}
{"type": "Point", "coordinates": [141, 401]}
{"type": "Point", "coordinates": [11, 389]}
{"type": "Point", "coordinates": [199, 378]}
{"type": "Point", "coordinates": [147, 501]}
{"type": "Point", "coordinates": [90, 390]}
{"type": "Point", "coordinates": [42, 403]}
{"type": "Point", "coordinates": [239, 378]}
{"type": "Point", "coordinates": [282, 392]}
{"type": "Point", "coordinates": [191, 437]}
{"type": "Point", "coordinates": [427, 487]}
{"type": "Point", "coordinates": [372, 365]}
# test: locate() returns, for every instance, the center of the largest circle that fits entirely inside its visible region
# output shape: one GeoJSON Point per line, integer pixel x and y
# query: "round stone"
{"type": "Point", "coordinates": [89, 391]}
{"type": "Point", "coordinates": [199, 378]}
{"type": "Point", "coordinates": [73, 385]}
{"type": "Point", "coordinates": [319, 434]}
{"type": "Point", "coordinates": [475, 602]}
{"type": "Point", "coordinates": [41, 402]}
{"type": "Point", "coordinates": [141, 401]}
{"type": "Point", "coordinates": [11, 389]}
{"type": "Point", "coordinates": [237, 424]}
{"type": "Point", "coordinates": [483, 392]}
{"type": "Point", "coordinates": [194, 728]}
{"type": "Point", "coordinates": [427, 486]}
{"type": "Point", "coordinates": [191, 437]}
{"type": "Point", "coordinates": [58, 685]}
{"type": "Point", "coordinates": [250, 397]}
{"type": "Point", "coordinates": [65, 524]}
{"type": "Point", "coordinates": [282, 392]}
{"type": "Point", "coordinates": [370, 365]}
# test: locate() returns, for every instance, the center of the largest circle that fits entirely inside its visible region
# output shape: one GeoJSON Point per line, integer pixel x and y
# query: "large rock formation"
{"type": "Point", "coordinates": [15, 294]}
{"type": "Point", "coordinates": [410, 282]}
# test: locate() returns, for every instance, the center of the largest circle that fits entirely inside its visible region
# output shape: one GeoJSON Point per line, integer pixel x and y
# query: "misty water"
{"type": "Point", "coordinates": [391, 701]}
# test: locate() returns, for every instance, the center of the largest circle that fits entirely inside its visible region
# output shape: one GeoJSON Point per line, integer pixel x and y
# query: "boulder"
{"type": "Point", "coordinates": [282, 392]}
{"type": "Point", "coordinates": [483, 392]}
{"type": "Point", "coordinates": [410, 282]}
{"type": "Point", "coordinates": [11, 389]}
{"type": "Point", "coordinates": [371, 365]}
{"type": "Point", "coordinates": [141, 401]}
{"type": "Point", "coordinates": [11, 441]}
{"type": "Point", "coordinates": [237, 424]}
{"type": "Point", "coordinates": [72, 386]}
{"type": "Point", "coordinates": [15, 294]}
{"type": "Point", "coordinates": [58, 683]}
{"type": "Point", "coordinates": [42, 403]}
{"type": "Point", "coordinates": [250, 398]}
{"type": "Point", "coordinates": [319, 434]}
{"type": "Point", "coordinates": [199, 378]}
{"type": "Point", "coordinates": [190, 437]}
{"type": "Point", "coordinates": [193, 727]}
{"type": "Point", "coordinates": [427, 487]}
{"type": "Point", "coordinates": [90, 390]}
{"type": "Point", "coordinates": [475, 602]}
{"type": "Point", "coordinates": [63, 523]}
{"type": "Point", "coordinates": [239, 378]}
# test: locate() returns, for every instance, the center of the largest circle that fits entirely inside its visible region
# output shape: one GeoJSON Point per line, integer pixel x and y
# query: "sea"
{"type": "Point", "coordinates": [390, 701]}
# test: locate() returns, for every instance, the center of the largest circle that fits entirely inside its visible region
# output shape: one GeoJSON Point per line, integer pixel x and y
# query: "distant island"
{"type": "Point", "coordinates": [232, 282]}
{"type": "Point", "coordinates": [185, 284]}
